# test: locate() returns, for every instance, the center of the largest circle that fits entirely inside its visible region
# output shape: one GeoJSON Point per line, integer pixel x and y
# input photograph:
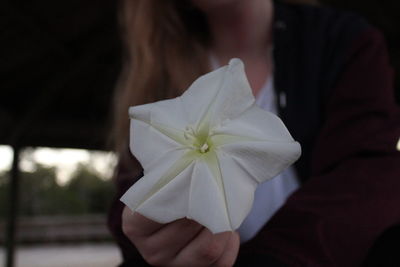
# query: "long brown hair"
{"type": "Point", "coordinates": [165, 50]}
{"type": "Point", "coordinates": [165, 46]}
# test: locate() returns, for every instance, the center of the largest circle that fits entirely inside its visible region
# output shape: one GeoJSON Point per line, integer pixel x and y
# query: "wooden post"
{"type": "Point", "coordinates": [12, 209]}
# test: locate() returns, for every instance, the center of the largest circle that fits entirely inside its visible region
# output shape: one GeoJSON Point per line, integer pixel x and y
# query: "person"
{"type": "Point", "coordinates": [326, 74]}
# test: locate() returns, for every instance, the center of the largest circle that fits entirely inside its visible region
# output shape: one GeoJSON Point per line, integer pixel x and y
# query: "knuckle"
{"type": "Point", "coordinates": [126, 229]}
{"type": "Point", "coordinates": [129, 230]}
{"type": "Point", "coordinates": [129, 227]}
{"type": "Point", "coordinates": [154, 260]}
{"type": "Point", "coordinates": [211, 251]}
{"type": "Point", "coordinates": [149, 249]}
{"type": "Point", "coordinates": [151, 254]}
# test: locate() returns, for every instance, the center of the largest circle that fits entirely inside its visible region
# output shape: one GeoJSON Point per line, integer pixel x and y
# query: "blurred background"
{"type": "Point", "coordinates": [59, 61]}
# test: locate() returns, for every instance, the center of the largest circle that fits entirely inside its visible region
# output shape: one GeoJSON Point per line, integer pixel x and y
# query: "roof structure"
{"type": "Point", "coordinates": [58, 66]}
{"type": "Point", "coordinates": [60, 60]}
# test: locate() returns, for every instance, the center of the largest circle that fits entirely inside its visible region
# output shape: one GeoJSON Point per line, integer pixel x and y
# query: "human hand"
{"type": "Point", "coordinates": [183, 242]}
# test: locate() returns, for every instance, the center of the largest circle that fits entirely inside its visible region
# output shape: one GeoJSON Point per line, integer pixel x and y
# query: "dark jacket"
{"type": "Point", "coordinates": [332, 69]}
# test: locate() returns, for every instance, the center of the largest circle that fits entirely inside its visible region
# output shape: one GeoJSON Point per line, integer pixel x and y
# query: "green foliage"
{"type": "Point", "coordinates": [90, 193]}
{"type": "Point", "coordinates": [40, 194]}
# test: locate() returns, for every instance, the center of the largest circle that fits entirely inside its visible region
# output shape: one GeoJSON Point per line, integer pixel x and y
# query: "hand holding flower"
{"type": "Point", "coordinates": [183, 242]}
{"type": "Point", "coordinates": [205, 152]}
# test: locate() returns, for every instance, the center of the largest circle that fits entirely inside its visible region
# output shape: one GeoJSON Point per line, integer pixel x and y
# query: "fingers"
{"type": "Point", "coordinates": [230, 253]}
{"type": "Point", "coordinates": [158, 243]}
{"type": "Point", "coordinates": [163, 246]}
{"type": "Point", "coordinates": [181, 243]}
{"type": "Point", "coordinates": [203, 250]}
{"type": "Point", "coordinates": [136, 225]}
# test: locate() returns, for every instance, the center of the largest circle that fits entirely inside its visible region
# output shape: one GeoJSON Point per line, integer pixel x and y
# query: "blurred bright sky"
{"type": "Point", "coordinates": [64, 160]}
{"type": "Point", "coordinates": [5, 157]}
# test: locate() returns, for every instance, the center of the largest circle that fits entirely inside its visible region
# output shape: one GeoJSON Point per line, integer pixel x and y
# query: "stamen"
{"type": "Point", "coordinates": [190, 130]}
{"type": "Point", "coordinates": [185, 134]}
{"type": "Point", "coordinates": [189, 133]}
{"type": "Point", "coordinates": [204, 148]}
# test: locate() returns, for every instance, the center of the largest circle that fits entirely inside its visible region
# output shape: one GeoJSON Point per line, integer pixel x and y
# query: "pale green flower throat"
{"type": "Point", "coordinates": [199, 142]}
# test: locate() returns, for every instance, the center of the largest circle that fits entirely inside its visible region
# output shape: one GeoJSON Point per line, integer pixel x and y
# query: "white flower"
{"type": "Point", "coordinates": [205, 152]}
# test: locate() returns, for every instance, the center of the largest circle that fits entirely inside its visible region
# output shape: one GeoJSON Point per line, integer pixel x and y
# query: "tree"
{"type": "Point", "coordinates": [91, 192]}
{"type": "Point", "coordinates": [40, 194]}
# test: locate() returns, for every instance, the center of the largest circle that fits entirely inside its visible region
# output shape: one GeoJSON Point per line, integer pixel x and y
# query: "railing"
{"type": "Point", "coordinates": [44, 229]}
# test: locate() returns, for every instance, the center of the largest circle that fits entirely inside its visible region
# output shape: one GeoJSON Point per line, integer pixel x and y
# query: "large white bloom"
{"type": "Point", "coordinates": [205, 152]}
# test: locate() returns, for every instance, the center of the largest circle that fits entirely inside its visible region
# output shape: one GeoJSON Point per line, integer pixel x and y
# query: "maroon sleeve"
{"type": "Point", "coordinates": [128, 171]}
{"type": "Point", "coordinates": [353, 194]}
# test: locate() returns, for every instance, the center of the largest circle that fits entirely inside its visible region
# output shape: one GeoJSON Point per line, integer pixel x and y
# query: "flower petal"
{"type": "Point", "coordinates": [263, 160]}
{"type": "Point", "coordinates": [206, 203]}
{"type": "Point", "coordinates": [166, 112]}
{"type": "Point", "coordinates": [150, 135]}
{"type": "Point", "coordinates": [234, 97]}
{"type": "Point", "coordinates": [171, 201]}
{"type": "Point", "coordinates": [239, 189]}
{"type": "Point", "coordinates": [255, 124]}
{"type": "Point", "coordinates": [147, 144]}
{"type": "Point", "coordinates": [159, 183]}
{"type": "Point", "coordinates": [217, 96]}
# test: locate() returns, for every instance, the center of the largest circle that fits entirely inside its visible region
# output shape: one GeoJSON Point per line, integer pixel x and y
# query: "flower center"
{"type": "Point", "coordinates": [197, 141]}
{"type": "Point", "coordinates": [204, 148]}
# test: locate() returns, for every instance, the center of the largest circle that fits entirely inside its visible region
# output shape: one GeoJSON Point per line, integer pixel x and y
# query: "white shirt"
{"type": "Point", "coordinates": [272, 194]}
